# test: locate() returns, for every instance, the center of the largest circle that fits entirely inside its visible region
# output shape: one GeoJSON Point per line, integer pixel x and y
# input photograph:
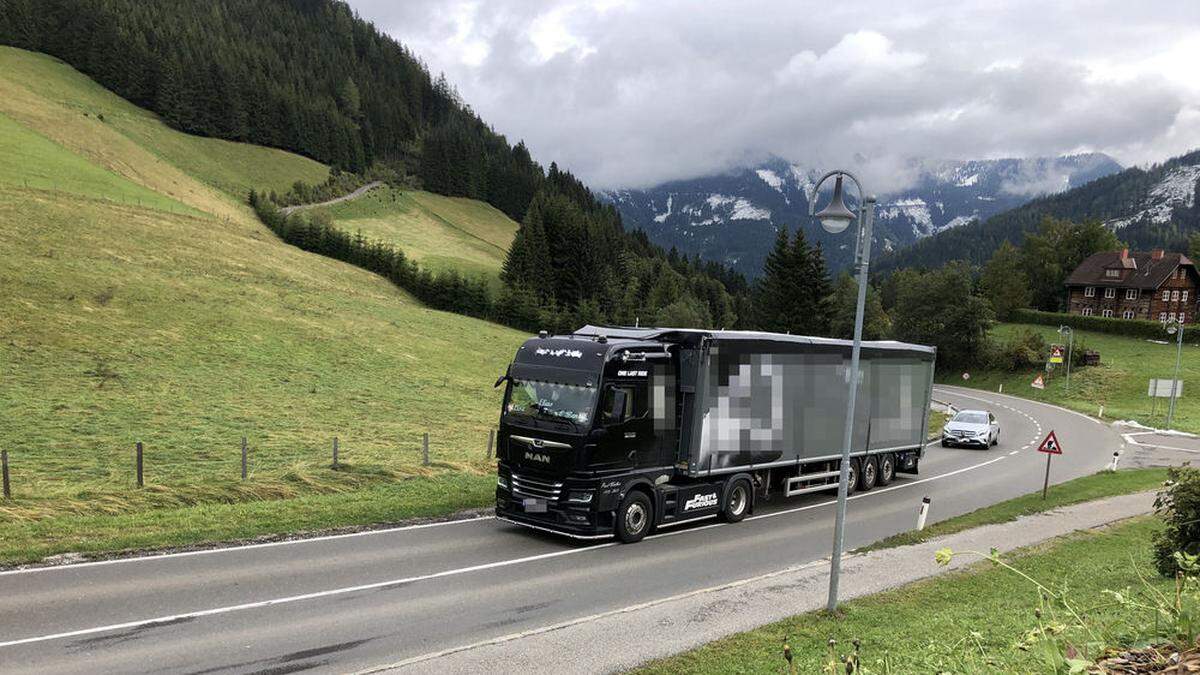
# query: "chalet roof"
{"type": "Point", "coordinates": [1145, 272]}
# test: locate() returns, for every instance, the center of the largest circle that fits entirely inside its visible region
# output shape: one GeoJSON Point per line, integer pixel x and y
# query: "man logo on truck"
{"type": "Point", "coordinates": [701, 502]}
{"type": "Point", "coordinates": [537, 457]}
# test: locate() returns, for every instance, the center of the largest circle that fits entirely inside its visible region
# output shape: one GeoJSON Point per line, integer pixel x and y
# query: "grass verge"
{"type": "Point", "coordinates": [1086, 488]}
{"type": "Point", "coordinates": [376, 504]}
{"type": "Point", "coordinates": [977, 620]}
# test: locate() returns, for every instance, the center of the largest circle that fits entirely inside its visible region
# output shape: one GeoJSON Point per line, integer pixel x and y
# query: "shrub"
{"type": "Point", "coordinates": [1026, 349]}
{"type": "Point", "coordinates": [1179, 506]}
{"type": "Point", "coordinates": [1098, 324]}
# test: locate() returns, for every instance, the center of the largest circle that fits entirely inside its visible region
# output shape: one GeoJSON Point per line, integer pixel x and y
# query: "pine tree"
{"type": "Point", "coordinates": [774, 286]}
{"type": "Point", "coordinates": [1004, 282]}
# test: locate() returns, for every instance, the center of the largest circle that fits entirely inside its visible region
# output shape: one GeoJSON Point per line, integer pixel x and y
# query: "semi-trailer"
{"type": "Point", "coordinates": [616, 431]}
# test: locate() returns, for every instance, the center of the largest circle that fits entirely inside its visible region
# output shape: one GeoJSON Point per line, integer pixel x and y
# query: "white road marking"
{"type": "Point", "coordinates": [244, 547]}
{"type": "Point", "coordinates": [298, 598]}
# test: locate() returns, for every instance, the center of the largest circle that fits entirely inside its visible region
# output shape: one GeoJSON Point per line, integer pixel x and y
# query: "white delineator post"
{"type": "Point", "coordinates": [923, 513]}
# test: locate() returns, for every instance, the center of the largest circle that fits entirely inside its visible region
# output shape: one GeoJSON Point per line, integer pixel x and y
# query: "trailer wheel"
{"type": "Point", "coordinates": [887, 468]}
{"type": "Point", "coordinates": [634, 517]}
{"type": "Point", "coordinates": [868, 476]}
{"type": "Point", "coordinates": [737, 502]}
{"type": "Point", "coordinates": [852, 478]}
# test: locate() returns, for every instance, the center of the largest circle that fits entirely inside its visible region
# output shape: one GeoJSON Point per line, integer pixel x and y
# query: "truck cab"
{"type": "Point", "coordinates": [584, 419]}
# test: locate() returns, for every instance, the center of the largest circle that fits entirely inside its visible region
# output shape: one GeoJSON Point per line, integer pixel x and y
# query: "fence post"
{"type": "Point", "coordinates": [491, 440]}
{"type": "Point", "coordinates": [335, 449]}
{"type": "Point", "coordinates": [4, 462]}
{"type": "Point", "coordinates": [425, 448]}
{"type": "Point", "coordinates": [243, 458]}
{"type": "Point", "coordinates": [139, 464]}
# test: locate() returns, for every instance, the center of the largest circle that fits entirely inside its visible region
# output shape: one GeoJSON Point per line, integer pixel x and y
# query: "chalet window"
{"type": "Point", "coordinates": [1112, 274]}
{"type": "Point", "coordinates": [1110, 292]}
{"type": "Point", "coordinates": [1089, 292]}
{"type": "Point", "coordinates": [1087, 311]}
{"type": "Point", "coordinates": [1131, 294]}
{"type": "Point", "coordinates": [1174, 296]}
{"type": "Point", "coordinates": [1107, 313]}
{"type": "Point", "coordinates": [1170, 317]}
{"type": "Point", "coordinates": [1127, 314]}
{"type": "Point", "coordinates": [1166, 296]}
{"type": "Point", "coordinates": [1162, 316]}
{"type": "Point", "coordinates": [1183, 296]}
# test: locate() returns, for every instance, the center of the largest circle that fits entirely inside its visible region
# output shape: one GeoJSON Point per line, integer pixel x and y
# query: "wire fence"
{"type": "Point", "coordinates": [240, 462]}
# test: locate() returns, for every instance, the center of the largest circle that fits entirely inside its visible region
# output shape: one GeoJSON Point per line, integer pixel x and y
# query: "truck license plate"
{"type": "Point", "coordinates": [535, 505]}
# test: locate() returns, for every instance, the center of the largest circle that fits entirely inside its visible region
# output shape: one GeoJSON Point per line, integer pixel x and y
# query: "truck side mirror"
{"type": "Point", "coordinates": [616, 408]}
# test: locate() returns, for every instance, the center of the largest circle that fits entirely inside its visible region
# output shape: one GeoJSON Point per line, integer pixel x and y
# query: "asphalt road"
{"type": "Point", "coordinates": [346, 603]}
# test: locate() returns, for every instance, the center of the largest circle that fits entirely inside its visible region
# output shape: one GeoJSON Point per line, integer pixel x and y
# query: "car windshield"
{"type": "Point", "coordinates": [551, 400]}
{"type": "Point", "coordinates": [971, 418]}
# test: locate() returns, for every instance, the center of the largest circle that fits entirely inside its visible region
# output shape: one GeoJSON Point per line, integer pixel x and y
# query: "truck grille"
{"type": "Point", "coordinates": [524, 486]}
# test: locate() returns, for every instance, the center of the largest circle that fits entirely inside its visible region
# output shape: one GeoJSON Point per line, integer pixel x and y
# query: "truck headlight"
{"type": "Point", "coordinates": [580, 497]}
{"type": "Point", "coordinates": [502, 482]}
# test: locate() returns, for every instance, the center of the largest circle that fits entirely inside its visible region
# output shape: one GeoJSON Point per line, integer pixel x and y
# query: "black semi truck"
{"type": "Point", "coordinates": [618, 431]}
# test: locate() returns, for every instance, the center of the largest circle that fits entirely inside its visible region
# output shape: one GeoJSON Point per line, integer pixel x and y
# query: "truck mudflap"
{"type": "Point", "coordinates": [908, 462]}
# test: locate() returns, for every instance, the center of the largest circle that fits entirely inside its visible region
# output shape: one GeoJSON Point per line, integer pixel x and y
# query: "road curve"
{"type": "Point", "coordinates": [352, 602]}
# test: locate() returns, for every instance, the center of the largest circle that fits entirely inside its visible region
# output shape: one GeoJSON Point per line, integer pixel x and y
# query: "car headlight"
{"type": "Point", "coordinates": [579, 497]}
{"type": "Point", "coordinates": [502, 482]}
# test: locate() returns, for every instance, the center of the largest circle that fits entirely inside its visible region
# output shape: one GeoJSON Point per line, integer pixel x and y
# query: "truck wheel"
{"type": "Point", "coordinates": [887, 469]}
{"type": "Point", "coordinates": [737, 502]}
{"type": "Point", "coordinates": [869, 474]}
{"type": "Point", "coordinates": [634, 517]}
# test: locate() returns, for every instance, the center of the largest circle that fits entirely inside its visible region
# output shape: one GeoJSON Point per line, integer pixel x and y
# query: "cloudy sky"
{"type": "Point", "coordinates": [630, 94]}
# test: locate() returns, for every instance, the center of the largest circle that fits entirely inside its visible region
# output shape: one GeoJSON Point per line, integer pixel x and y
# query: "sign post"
{"type": "Point", "coordinates": [1051, 447]}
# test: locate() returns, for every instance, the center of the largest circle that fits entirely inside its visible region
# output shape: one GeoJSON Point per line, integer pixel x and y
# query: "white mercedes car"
{"type": "Point", "coordinates": [977, 428]}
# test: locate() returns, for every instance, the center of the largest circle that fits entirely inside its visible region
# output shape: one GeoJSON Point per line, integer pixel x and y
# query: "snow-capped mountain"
{"type": "Point", "coordinates": [1147, 207]}
{"type": "Point", "coordinates": [732, 217]}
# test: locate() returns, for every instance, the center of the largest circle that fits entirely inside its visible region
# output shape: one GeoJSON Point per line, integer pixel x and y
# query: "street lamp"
{"type": "Point", "coordinates": [835, 218]}
{"type": "Point", "coordinates": [1071, 343]}
{"type": "Point", "coordinates": [1178, 333]}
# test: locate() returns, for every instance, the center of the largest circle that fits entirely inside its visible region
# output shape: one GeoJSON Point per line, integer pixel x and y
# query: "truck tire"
{"type": "Point", "coordinates": [868, 474]}
{"type": "Point", "coordinates": [737, 501]}
{"type": "Point", "coordinates": [887, 469]}
{"type": "Point", "coordinates": [634, 517]}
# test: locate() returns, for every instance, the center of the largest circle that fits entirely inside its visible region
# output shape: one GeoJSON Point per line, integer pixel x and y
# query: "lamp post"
{"type": "Point", "coordinates": [1070, 344]}
{"type": "Point", "coordinates": [1178, 332]}
{"type": "Point", "coordinates": [835, 218]}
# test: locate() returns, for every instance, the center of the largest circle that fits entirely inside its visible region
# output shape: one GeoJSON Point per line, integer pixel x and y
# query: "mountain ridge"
{"type": "Point", "coordinates": [731, 217]}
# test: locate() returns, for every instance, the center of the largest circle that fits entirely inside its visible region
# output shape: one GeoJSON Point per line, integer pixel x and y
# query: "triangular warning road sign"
{"type": "Point", "coordinates": [1050, 446]}
{"type": "Point", "coordinates": [1038, 382]}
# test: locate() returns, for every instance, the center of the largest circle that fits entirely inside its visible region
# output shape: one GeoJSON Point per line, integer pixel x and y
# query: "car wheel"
{"type": "Point", "coordinates": [996, 440]}
{"type": "Point", "coordinates": [887, 469]}
{"type": "Point", "coordinates": [634, 517]}
{"type": "Point", "coordinates": [737, 502]}
{"type": "Point", "coordinates": [868, 476]}
{"type": "Point", "coordinates": [945, 443]}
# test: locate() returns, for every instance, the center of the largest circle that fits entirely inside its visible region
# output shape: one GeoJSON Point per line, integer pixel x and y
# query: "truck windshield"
{"type": "Point", "coordinates": [551, 400]}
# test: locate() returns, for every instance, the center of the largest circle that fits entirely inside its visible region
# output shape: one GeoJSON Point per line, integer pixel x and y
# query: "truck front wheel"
{"type": "Point", "coordinates": [737, 502]}
{"type": "Point", "coordinates": [634, 517]}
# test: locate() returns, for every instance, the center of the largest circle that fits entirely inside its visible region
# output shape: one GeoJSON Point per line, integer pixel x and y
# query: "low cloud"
{"type": "Point", "coordinates": [632, 94]}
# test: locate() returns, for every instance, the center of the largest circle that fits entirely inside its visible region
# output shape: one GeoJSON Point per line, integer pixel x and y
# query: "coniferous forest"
{"type": "Point", "coordinates": [309, 76]}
